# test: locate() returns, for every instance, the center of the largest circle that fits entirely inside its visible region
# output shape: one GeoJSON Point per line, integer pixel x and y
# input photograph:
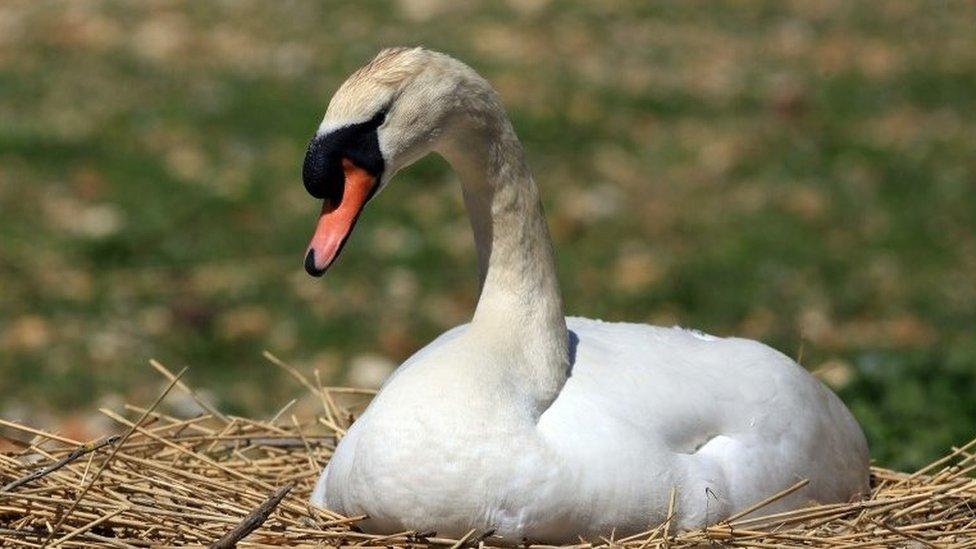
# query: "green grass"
{"type": "Point", "coordinates": [799, 174]}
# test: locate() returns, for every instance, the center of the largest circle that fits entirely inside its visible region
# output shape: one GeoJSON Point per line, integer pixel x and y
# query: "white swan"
{"type": "Point", "coordinates": [538, 426]}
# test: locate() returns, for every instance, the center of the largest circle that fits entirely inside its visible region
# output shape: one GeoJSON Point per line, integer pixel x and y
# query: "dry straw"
{"type": "Point", "coordinates": [219, 480]}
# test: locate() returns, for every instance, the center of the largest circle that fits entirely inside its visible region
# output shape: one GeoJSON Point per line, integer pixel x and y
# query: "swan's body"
{"type": "Point", "coordinates": [531, 424]}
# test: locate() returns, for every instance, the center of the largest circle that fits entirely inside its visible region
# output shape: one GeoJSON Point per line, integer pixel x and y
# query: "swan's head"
{"type": "Point", "coordinates": [387, 115]}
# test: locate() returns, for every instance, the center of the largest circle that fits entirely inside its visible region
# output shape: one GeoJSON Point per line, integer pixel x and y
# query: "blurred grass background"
{"type": "Point", "coordinates": [797, 172]}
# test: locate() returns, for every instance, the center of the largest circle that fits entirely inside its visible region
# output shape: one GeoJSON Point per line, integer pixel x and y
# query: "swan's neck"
{"type": "Point", "coordinates": [520, 309]}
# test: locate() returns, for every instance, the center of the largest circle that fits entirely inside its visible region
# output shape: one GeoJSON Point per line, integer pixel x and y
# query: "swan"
{"type": "Point", "coordinates": [525, 422]}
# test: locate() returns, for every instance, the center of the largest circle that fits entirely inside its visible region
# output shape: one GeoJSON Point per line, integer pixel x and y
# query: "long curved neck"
{"type": "Point", "coordinates": [520, 309]}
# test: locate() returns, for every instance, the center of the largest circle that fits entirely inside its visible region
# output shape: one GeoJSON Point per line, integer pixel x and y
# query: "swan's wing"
{"type": "Point", "coordinates": [730, 414]}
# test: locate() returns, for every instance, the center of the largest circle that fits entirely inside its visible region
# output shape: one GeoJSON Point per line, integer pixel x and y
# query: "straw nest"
{"type": "Point", "coordinates": [223, 480]}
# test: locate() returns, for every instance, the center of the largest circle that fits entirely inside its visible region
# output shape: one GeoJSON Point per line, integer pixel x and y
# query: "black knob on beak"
{"type": "Point", "coordinates": [322, 171]}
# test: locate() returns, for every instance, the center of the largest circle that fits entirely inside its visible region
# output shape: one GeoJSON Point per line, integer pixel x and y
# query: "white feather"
{"type": "Point", "coordinates": [543, 427]}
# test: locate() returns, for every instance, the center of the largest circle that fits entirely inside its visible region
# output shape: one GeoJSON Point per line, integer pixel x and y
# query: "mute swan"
{"type": "Point", "coordinates": [525, 422]}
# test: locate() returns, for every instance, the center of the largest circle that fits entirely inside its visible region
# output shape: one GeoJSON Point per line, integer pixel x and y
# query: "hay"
{"type": "Point", "coordinates": [224, 480]}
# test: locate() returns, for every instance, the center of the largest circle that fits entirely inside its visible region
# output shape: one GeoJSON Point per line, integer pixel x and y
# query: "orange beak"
{"type": "Point", "coordinates": [337, 220]}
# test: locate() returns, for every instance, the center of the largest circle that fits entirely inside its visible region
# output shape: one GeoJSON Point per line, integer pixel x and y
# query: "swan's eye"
{"type": "Point", "coordinates": [384, 111]}
{"type": "Point", "coordinates": [380, 117]}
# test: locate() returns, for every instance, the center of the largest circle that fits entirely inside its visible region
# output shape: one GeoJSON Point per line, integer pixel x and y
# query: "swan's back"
{"type": "Point", "coordinates": [650, 408]}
